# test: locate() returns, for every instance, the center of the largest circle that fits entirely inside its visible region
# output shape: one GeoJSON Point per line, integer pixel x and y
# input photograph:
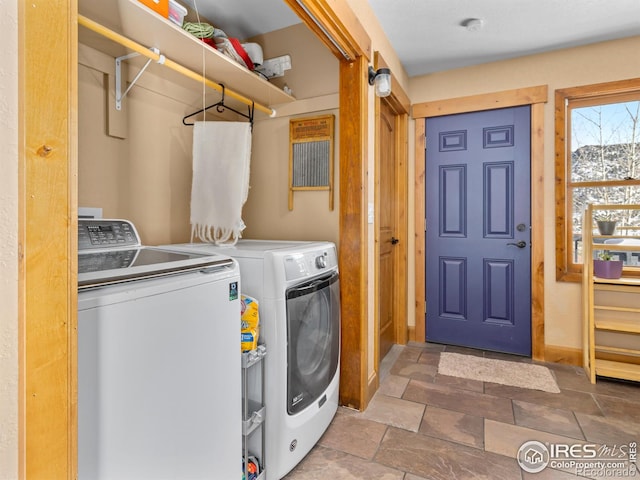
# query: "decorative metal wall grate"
{"type": "Point", "coordinates": [311, 164]}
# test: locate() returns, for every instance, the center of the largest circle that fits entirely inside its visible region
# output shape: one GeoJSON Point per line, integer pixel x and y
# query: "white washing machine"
{"type": "Point", "coordinates": [159, 364]}
{"type": "Point", "coordinates": [298, 290]}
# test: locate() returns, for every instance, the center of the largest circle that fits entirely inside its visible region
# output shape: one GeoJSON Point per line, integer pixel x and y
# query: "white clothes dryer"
{"type": "Point", "coordinates": [298, 290]}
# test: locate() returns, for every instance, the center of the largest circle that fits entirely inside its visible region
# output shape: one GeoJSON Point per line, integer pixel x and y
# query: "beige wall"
{"type": "Point", "coordinates": [266, 212]}
{"type": "Point", "coordinates": [9, 241]}
{"type": "Point", "coordinates": [146, 176]}
{"type": "Point", "coordinates": [314, 81]}
{"type": "Point", "coordinates": [602, 62]}
{"type": "Point", "coordinates": [379, 41]}
{"type": "Point", "coordinates": [314, 70]}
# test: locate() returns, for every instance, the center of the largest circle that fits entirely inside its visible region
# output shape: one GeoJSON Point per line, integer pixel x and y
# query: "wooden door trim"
{"type": "Point", "coordinates": [373, 382]}
{"type": "Point", "coordinates": [536, 97]}
{"type": "Point", "coordinates": [47, 257]}
{"type": "Point", "coordinates": [477, 103]}
{"type": "Point", "coordinates": [402, 226]}
{"type": "Point", "coordinates": [353, 248]}
{"type": "Point", "coordinates": [336, 25]}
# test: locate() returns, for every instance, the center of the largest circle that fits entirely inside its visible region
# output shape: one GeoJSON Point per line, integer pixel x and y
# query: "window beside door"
{"type": "Point", "coordinates": [597, 161]}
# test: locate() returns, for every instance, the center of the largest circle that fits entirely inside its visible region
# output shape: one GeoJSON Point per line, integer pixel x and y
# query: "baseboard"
{"type": "Point", "coordinates": [411, 330]}
{"type": "Point", "coordinates": [372, 387]}
{"type": "Point", "coordinates": [565, 355]}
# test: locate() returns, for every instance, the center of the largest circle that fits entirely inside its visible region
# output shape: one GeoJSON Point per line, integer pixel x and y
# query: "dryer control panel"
{"type": "Point", "coordinates": [301, 265]}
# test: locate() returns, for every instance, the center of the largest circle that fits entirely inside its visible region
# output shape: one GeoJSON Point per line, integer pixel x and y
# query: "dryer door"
{"type": "Point", "coordinates": [313, 340]}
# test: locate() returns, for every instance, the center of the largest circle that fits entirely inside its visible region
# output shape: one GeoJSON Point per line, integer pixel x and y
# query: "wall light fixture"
{"type": "Point", "coordinates": [381, 78]}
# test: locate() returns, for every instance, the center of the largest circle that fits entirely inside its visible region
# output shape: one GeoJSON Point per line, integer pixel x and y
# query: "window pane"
{"type": "Point", "coordinates": [606, 195]}
{"type": "Point", "coordinates": [605, 142]}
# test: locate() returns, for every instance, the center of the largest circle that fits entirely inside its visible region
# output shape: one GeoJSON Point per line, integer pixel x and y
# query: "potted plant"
{"type": "Point", "coordinates": [606, 224]}
{"type": "Point", "coordinates": [607, 267]}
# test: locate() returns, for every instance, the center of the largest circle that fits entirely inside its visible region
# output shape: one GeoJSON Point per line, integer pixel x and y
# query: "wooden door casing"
{"type": "Point", "coordinates": [535, 96]}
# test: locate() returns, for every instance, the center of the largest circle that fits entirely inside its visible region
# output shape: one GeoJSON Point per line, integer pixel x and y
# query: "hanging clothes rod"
{"type": "Point", "coordinates": [159, 58]}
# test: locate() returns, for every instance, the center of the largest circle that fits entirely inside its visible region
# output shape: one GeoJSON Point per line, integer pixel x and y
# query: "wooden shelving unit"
{"type": "Point", "coordinates": [135, 21]}
{"type": "Point", "coordinates": [610, 306]}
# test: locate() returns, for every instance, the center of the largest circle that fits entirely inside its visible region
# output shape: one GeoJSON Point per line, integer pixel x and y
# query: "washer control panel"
{"type": "Point", "coordinates": [99, 233]}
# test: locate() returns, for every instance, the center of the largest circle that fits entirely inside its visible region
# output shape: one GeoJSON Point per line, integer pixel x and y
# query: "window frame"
{"type": "Point", "coordinates": [566, 270]}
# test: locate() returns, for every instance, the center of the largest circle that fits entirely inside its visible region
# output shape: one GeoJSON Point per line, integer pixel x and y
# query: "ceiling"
{"type": "Point", "coordinates": [429, 35]}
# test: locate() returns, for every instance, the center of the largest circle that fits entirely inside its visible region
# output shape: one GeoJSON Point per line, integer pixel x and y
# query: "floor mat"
{"type": "Point", "coordinates": [515, 374]}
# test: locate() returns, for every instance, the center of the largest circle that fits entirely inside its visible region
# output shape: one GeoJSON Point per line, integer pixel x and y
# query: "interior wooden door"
{"type": "Point", "coordinates": [387, 228]}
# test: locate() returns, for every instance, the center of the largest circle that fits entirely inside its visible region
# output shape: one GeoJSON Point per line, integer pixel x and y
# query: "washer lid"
{"type": "Point", "coordinates": [243, 248]}
{"type": "Point", "coordinates": [109, 251]}
{"type": "Point", "coordinates": [110, 266]}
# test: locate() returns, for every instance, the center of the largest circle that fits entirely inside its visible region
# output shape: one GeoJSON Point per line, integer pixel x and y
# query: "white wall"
{"type": "Point", "coordinates": [9, 245]}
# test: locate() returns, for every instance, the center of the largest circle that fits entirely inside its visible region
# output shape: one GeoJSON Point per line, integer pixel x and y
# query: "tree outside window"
{"type": "Point", "coordinates": [597, 161]}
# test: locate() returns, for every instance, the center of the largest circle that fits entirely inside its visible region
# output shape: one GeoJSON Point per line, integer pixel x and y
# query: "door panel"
{"type": "Point", "coordinates": [453, 294]}
{"type": "Point", "coordinates": [478, 275]}
{"type": "Point", "coordinates": [498, 200]}
{"type": "Point", "coordinates": [453, 204]}
{"type": "Point", "coordinates": [498, 301]}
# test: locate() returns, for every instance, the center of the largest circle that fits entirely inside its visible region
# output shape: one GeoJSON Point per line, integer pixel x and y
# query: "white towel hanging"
{"type": "Point", "coordinates": [221, 158]}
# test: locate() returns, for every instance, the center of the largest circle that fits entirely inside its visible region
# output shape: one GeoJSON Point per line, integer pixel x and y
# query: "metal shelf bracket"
{"type": "Point", "coordinates": [120, 96]}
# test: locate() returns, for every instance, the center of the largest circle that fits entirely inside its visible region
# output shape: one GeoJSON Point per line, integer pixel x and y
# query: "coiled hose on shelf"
{"type": "Point", "coordinates": [199, 30]}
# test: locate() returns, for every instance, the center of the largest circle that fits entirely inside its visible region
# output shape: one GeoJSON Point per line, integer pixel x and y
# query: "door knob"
{"type": "Point", "coordinates": [394, 240]}
{"type": "Point", "coordinates": [520, 244]}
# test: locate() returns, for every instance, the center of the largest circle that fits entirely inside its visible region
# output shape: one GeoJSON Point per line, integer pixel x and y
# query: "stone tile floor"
{"type": "Point", "coordinates": [421, 425]}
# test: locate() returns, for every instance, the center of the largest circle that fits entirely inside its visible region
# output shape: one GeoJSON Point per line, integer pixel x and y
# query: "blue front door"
{"type": "Point", "coordinates": [478, 252]}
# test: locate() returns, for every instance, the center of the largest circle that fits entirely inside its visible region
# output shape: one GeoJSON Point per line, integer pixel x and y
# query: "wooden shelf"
{"type": "Point", "coordinates": [611, 308]}
{"type": "Point", "coordinates": [616, 246]}
{"type": "Point", "coordinates": [617, 312]}
{"type": "Point", "coordinates": [623, 281]}
{"type": "Point", "coordinates": [618, 350]}
{"type": "Point", "coordinates": [626, 371]}
{"type": "Point", "coordinates": [142, 25]}
{"type": "Point", "coordinates": [618, 325]}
